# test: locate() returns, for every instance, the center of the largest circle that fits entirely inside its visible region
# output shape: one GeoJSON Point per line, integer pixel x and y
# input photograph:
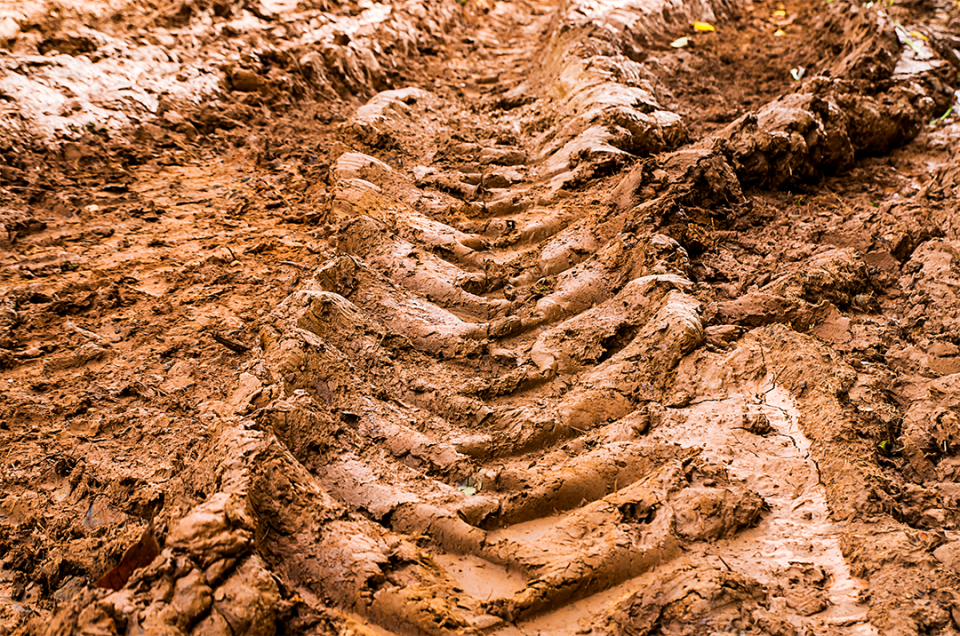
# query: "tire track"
{"type": "Point", "coordinates": [498, 406]}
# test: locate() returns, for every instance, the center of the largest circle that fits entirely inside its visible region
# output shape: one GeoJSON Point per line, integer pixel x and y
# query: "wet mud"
{"type": "Point", "coordinates": [485, 317]}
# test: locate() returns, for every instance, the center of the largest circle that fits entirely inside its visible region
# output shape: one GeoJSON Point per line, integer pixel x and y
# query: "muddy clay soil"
{"type": "Point", "coordinates": [530, 317]}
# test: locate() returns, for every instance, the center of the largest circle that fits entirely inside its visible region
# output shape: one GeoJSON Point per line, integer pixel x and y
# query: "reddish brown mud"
{"type": "Point", "coordinates": [504, 317]}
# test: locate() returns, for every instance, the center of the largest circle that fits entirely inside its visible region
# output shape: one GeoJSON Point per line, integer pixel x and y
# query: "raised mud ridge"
{"type": "Point", "coordinates": [582, 342]}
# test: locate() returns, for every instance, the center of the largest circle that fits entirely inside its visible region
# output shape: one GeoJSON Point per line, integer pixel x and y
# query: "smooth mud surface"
{"type": "Point", "coordinates": [797, 536]}
{"type": "Point", "coordinates": [497, 317]}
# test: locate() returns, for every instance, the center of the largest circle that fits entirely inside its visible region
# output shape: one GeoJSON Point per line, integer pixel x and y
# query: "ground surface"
{"type": "Point", "coordinates": [508, 318]}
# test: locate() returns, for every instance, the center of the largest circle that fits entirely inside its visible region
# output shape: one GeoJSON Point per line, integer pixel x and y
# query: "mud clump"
{"type": "Point", "coordinates": [693, 597]}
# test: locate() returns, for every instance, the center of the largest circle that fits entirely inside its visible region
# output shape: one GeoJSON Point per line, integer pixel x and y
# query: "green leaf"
{"type": "Point", "coordinates": [906, 38]}
{"type": "Point", "coordinates": [934, 122]}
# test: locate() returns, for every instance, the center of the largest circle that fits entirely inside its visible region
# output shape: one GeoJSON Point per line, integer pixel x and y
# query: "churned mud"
{"type": "Point", "coordinates": [497, 317]}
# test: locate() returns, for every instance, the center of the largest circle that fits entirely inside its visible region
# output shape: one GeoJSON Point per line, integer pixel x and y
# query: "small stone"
{"type": "Point", "coordinates": [247, 390]}
{"type": "Point", "coordinates": [192, 597]}
{"type": "Point", "coordinates": [215, 572]}
{"type": "Point", "coordinates": [757, 423]}
{"type": "Point", "coordinates": [246, 81]}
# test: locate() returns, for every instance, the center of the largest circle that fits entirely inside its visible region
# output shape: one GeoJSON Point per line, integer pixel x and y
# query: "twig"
{"type": "Point", "coordinates": [846, 207]}
{"type": "Point", "coordinates": [85, 332]}
{"type": "Point", "coordinates": [230, 344]}
{"type": "Point", "coordinates": [775, 378]}
{"type": "Point", "coordinates": [306, 80]}
{"type": "Point", "coordinates": [286, 201]}
{"type": "Point", "coordinates": [156, 14]}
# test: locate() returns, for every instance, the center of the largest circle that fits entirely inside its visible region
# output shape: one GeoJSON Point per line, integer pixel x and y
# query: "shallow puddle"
{"type": "Point", "coordinates": [481, 579]}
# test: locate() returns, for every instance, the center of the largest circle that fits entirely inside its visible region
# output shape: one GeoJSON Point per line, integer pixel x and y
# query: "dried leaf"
{"type": "Point", "coordinates": [679, 43]}
{"type": "Point", "coordinates": [470, 486]}
{"type": "Point", "coordinates": [904, 37]}
{"type": "Point", "coordinates": [139, 555]}
{"type": "Point", "coordinates": [703, 26]}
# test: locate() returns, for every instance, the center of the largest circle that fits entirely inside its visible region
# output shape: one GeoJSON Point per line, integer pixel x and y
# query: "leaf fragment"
{"type": "Point", "coordinates": [703, 27]}
{"type": "Point", "coordinates": [797, 73]}
{"type": "Point", "coordinates": [139, 555]}
{"type": "Point", "coordinates": [934, 122]}
{"type": "Point", "coordinates": [470, 486]}
{"type": "Point", "coordinates": [905, 37]}
{"type": "Point", "coordinates": [679, 43]}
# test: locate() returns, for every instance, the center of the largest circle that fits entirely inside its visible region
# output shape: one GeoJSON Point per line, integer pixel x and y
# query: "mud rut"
{"type": "Point", "coordinates": [585, 334]}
